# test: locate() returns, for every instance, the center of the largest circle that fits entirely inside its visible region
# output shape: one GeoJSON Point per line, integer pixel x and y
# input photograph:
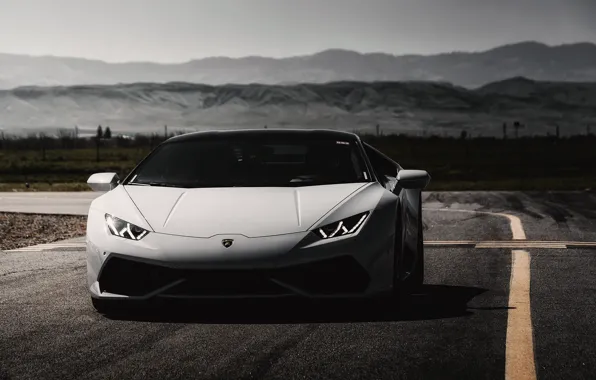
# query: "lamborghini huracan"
{"type": "Point", "coordinates": [256, 213]}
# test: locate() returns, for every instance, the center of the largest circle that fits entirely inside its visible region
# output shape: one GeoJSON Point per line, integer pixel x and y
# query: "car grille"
{"type": "Point", "coordinates": [222, 283]}
{"type": "Point", "coordinates": [341, 275]}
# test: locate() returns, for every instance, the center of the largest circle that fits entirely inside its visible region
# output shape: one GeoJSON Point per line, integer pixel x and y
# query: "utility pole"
{"type": "Point", "coordinates": [517, 126]}
{"type": "Point", "coordinates": [378, 130]}
{"type": "Point", "coordinates": [42, 138]}
{"type": "Point", "coordinates": [165, 127]}
{"type": "Point", "coordinates": [98, 137]}
{"type": "Point", "coordinates": [76, 136]}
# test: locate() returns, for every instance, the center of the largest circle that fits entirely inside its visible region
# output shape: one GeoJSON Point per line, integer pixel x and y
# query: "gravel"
{"type": "Point", "coordinates": [23, 230]}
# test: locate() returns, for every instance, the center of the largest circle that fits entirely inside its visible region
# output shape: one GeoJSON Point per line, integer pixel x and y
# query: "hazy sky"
{"type": "Point", "coordinates": [179, 30]}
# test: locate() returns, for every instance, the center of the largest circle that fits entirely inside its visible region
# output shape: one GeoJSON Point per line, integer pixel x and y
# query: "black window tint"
{"type": "Point", "coordinates": [381, 164]}
{"type": "Point", "coordinates": [252, 162]}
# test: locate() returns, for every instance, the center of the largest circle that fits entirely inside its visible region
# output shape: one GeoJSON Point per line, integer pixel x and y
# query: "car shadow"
{"type": "Point", "coordinates": [431, 302]}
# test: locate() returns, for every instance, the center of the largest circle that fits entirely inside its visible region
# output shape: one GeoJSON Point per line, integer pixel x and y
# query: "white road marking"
{"type": "Point", "coordinates": [518, 244]}
{"type": "Point", "coordinates": [434, 243]}
{"type": "Point", "coordinates": [49, 246]}
{"type": "Point", "coordinates": [505, 244]}
{"type": "Point", "coordinates": [498, 244]}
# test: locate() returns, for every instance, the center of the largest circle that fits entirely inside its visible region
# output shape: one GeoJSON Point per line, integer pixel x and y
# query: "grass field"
{"type": "Point", "coordinates": [454, 164]}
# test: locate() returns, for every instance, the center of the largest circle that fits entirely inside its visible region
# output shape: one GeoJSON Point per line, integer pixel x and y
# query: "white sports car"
{"type": "Point", "coordinates": [256, 213]}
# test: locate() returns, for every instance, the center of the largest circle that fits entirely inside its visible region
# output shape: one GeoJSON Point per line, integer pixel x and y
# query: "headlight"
{"type": "Point", "coordinates": [343, 227]}
{"type": "Point", "coordinates": [124, 229]}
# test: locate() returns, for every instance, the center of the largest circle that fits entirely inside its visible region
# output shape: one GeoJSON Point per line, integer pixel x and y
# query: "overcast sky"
{"type": "Point", "coordinates": [180, 30]}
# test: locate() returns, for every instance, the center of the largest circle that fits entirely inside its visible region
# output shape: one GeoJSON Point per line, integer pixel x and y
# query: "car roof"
{"type": "Point", "coordinates": [285, 132]}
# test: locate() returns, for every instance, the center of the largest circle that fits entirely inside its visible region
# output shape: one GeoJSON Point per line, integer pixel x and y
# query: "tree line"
{"type": "Point", "coordinates": [105, 138]}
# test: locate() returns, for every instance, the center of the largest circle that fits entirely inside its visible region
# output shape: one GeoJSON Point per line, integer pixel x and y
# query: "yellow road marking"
{"type": "Point", "coordinates": [519, 346]}
{"type": "Point", "coordinates": [516, 226]}
{"type": "Point", "coordinates": [514, 222]}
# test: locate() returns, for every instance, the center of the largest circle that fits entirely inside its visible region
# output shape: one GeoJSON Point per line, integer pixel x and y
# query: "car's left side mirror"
{"type": "Point", "coordinates": [103, 181]}
{"type": "Point", "coordinates": [413, 179]}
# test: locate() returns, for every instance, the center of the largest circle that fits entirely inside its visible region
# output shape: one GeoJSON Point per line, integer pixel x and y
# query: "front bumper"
{"type": "Point", "coordinates": [300, 264]}
{"type": "Point", "coordinates": [124, 276]}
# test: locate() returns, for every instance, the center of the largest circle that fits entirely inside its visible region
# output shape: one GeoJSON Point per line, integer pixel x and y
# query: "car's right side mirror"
{"type": "Point", "coordinates": [413, 179]}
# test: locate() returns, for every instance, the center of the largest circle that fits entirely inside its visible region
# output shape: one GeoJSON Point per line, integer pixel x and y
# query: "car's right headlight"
{"type": "Point", "coordinates": [342, 227]}
{"type": "Point", "coordinates": [124, 229]}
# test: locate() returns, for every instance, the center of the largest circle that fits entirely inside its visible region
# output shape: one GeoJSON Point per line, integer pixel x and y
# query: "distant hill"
{"type": "Point", "coordinates": [558, 93]}
{"type": "Point", "coordinates": [409, 107]}
{"type": "Point", "coordinates": [571, 62]}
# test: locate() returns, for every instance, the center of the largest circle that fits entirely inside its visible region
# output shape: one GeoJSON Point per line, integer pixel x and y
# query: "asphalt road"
{"type": "Point", "coordinates": [473, 320]}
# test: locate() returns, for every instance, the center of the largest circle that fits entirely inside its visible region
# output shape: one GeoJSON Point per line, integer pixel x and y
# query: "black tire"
{"type": "Point", "coordinates": [416, 279]}
{"type": "Point", "coordinates": [396, 297]}
{"type": "Point", "coordinates": [402, 289]}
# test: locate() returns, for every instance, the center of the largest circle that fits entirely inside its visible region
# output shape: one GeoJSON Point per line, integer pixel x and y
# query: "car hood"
{"type": "Point", "coordinates": [248, 211]}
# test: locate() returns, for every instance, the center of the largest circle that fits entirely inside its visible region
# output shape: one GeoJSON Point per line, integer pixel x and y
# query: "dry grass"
{"type": "Point", "coordinates": [22, 230]}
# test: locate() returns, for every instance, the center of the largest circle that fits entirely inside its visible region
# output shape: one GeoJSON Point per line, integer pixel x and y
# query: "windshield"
{"type": "Point", "coordinates": [238, 162]}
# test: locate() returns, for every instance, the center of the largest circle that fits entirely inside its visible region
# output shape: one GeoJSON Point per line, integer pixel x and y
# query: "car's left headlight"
{"type": "Point", "coordinates": [343, 227]}
{"type": "Point", "coordinates": [124, 229]}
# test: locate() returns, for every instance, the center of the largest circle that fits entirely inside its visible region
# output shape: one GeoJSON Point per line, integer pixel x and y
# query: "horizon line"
{"type": "Point", "coordinates": [521, 42]}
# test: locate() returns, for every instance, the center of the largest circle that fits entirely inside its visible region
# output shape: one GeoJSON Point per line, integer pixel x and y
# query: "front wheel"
{"type": "Point", "coordinates": [416, 279]}
{"type": "Point", "coordinates": [406, 283]}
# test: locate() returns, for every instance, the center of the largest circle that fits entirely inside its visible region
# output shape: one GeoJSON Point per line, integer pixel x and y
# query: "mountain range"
{"type": "Point", "coordinates": [416, 107]}
{"type": "Point", "coordinates": [571, 62]}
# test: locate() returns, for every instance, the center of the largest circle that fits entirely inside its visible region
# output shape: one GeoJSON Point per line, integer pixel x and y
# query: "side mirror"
{"type": "Point", "coordinates": [413, 179]}
{"type": "Point", "coordinates": [103, 181]}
